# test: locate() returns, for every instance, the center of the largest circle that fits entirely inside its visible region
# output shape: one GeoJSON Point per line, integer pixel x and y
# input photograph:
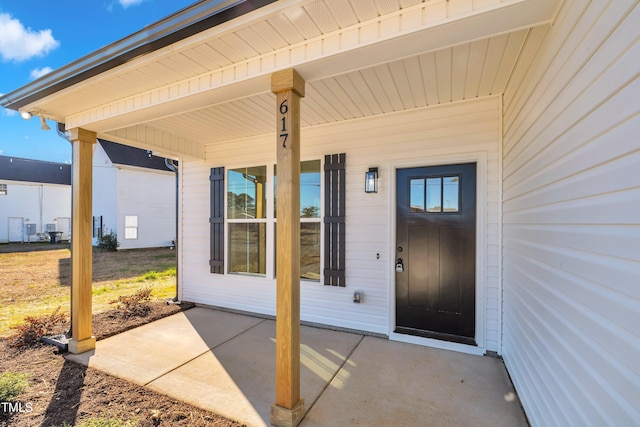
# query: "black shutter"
{"type": "Point", "coordinates": [216, 221]}
{"type": "Point", "coordinates": [334, 223]}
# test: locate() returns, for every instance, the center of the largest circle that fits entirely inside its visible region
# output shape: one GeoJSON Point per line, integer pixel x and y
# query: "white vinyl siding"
{"type": "Point", "coordinates": [148, 195]}
{"type": "Point", "coordinates": [571, 222]}
{"type": "Point", "coordinates": [36, 203]}
{"type": "Point", "coordinates": [105, 198]}
{"type": "Point", "coordinates": [419, 137]}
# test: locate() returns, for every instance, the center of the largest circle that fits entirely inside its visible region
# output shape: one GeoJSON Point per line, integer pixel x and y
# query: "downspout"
{"type": "Point", "coordinates": [62, 133]}
{"type": "Point", "coordinates": [170, 164]}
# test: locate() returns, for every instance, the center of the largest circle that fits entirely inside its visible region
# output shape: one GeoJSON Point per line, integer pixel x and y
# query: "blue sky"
{"type": "Point", "coordinates": [40, 36]}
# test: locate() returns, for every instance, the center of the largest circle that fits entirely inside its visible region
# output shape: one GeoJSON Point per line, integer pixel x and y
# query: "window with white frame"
{"type": "Point", "coordinates": [310, 218]}
{"type": "Point", "coordinates": [243, 223]}
{"type": "Point", "coordinates": [131, 227]}
{"type": "Point", "coordinates": [247, 219]}
{"type": "Point", "coordinates": [3, 189]}
{"type": "Point", "coordinates": [251, 219]}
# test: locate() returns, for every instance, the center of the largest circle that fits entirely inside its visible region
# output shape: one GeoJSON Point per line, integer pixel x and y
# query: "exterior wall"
{"type": "Point", "coordinates": [444, 134]}
{"type": "Point", "coordinates": [36, 203]}
{"type": "Point", "coordinates": [571, 223]}
{"type": "Point", "coordinates": [104, 199]}
{"type": "Point", "coordinates": [149, 195]}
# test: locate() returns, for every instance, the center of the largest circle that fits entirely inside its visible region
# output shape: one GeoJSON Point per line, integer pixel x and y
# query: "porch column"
{"type": "Point", "coordinates": [82, 338]}
{"type": "Point", "coordinates": [288, 408]}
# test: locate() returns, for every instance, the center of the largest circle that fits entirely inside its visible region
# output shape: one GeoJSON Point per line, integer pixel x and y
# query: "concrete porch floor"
{"type": "Point", "coordinates": [225, 363]}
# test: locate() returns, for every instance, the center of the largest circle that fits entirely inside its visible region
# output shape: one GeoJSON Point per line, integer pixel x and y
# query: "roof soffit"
{"type": "Point", "coordinates": [61, 103]}
{"type": "Point", "coordinates": [400, 34]}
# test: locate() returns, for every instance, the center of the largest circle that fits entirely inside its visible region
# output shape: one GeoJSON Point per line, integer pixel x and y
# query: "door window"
{"type": "Point", "coordinates": [434, 194]}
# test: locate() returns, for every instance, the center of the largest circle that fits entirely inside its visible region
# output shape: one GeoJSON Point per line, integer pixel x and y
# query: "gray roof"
{"type": "Point", "coordinates": [125, 155]}
{"type": "Point", "coordinates": [28, 170]}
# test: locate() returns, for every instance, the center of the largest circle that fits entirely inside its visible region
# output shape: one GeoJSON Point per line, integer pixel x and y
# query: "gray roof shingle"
{"type": "Point", "coordinates": [125, 155]}
{"type": "Point", "coordinates": [28, 170]}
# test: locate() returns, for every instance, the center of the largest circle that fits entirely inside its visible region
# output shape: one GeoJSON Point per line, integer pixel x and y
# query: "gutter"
{"type": "Point", "coordinates": [185, 23]}
{"type": "Point", "coordinates": [174, 167]}
{"type": "Point", "coordinates": [62, 341]}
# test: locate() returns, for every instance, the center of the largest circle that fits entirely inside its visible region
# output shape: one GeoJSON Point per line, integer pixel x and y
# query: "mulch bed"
{"type": "Point", "coordinates": [65, 392]}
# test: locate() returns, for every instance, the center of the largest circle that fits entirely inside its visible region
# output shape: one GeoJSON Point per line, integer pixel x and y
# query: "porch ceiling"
{"type": "Point", "coordinates": [359, 58]}
{"type": "Point", "coordinates": [476, 69]}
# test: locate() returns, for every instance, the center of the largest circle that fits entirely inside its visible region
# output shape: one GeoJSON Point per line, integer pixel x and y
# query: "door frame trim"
{"type": "Point", "coordinates": [480, 158]}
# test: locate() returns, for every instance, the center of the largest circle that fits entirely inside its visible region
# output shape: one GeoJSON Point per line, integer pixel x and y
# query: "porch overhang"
{"type": "Point", "coordinates": [182, 24]}
{"type": "Point", "coordinates": [187, 90]}
{"type": "Point", "coordinates": [184, 82]}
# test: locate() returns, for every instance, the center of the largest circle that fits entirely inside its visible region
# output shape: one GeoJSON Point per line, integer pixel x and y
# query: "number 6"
{"type": "Point", "coordinates": [283, 107]}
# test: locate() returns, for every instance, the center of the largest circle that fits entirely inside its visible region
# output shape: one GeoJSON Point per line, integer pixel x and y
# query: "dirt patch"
{"type": "Point", "coordinates": [112, 322]}
{"type": "Point", "coordinates": [64, 392]}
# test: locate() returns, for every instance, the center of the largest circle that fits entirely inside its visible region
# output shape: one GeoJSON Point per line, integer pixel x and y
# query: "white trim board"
{"type": "Point", "coordinates": [480, 158]}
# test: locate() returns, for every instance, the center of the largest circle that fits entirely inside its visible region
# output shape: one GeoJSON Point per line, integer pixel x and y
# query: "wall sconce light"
{"type": "Point", "coordinates": [43, 124]}
{"type": "Point", "coordinates": [25, 115]}
{"type": "Point", "coordinates": [371, 181]}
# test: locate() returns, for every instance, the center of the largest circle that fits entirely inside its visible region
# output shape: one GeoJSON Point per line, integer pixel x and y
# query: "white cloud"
{"type": "Point", "coordinates": [18, 43]}
{"type": "Point", "coordinates": [39, 72]}
{"type": "Point", "coordinates": [126, 3]}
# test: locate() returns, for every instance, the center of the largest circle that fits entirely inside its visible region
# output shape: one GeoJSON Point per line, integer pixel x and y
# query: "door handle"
{"type": "Point", "coordinates": [399, 266]}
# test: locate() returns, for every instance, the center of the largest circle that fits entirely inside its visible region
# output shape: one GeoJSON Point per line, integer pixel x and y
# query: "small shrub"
{"type": "Point", "coordinates": [136, 304]}
{"type": "Point", "coordinates": [151, 275]}
{"type": "Point", "coordinates": [33, 328]}
{"type": "Point", "coordinates": [12, 384]}
{"type": "Point", "coordinates": [109, 242]}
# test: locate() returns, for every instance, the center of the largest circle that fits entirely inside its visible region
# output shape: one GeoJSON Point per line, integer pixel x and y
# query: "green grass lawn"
{"type": "Point", "coordinates": [36, 283]}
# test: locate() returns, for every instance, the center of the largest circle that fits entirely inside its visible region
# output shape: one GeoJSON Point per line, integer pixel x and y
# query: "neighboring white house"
{"type": "Point", "coordinates": [35, 198]}
{"type": "Point", "coordinates": [505, 134]}
{"type": "Point", "coordinates": [134, 196]}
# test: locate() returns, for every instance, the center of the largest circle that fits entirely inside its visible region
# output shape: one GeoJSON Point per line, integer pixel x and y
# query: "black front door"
{"type": "Point", "coordinates": [435, 252]}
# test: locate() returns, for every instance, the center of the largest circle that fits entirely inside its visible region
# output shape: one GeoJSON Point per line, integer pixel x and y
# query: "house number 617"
{"type": "Point", "coordinates": [283, 132]}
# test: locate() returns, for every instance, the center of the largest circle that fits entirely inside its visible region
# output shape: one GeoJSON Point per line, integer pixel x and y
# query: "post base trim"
{"type": "Point", "coordinates": [77, 347]}
{"type": "Point", "coordinates": [285, 417]}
